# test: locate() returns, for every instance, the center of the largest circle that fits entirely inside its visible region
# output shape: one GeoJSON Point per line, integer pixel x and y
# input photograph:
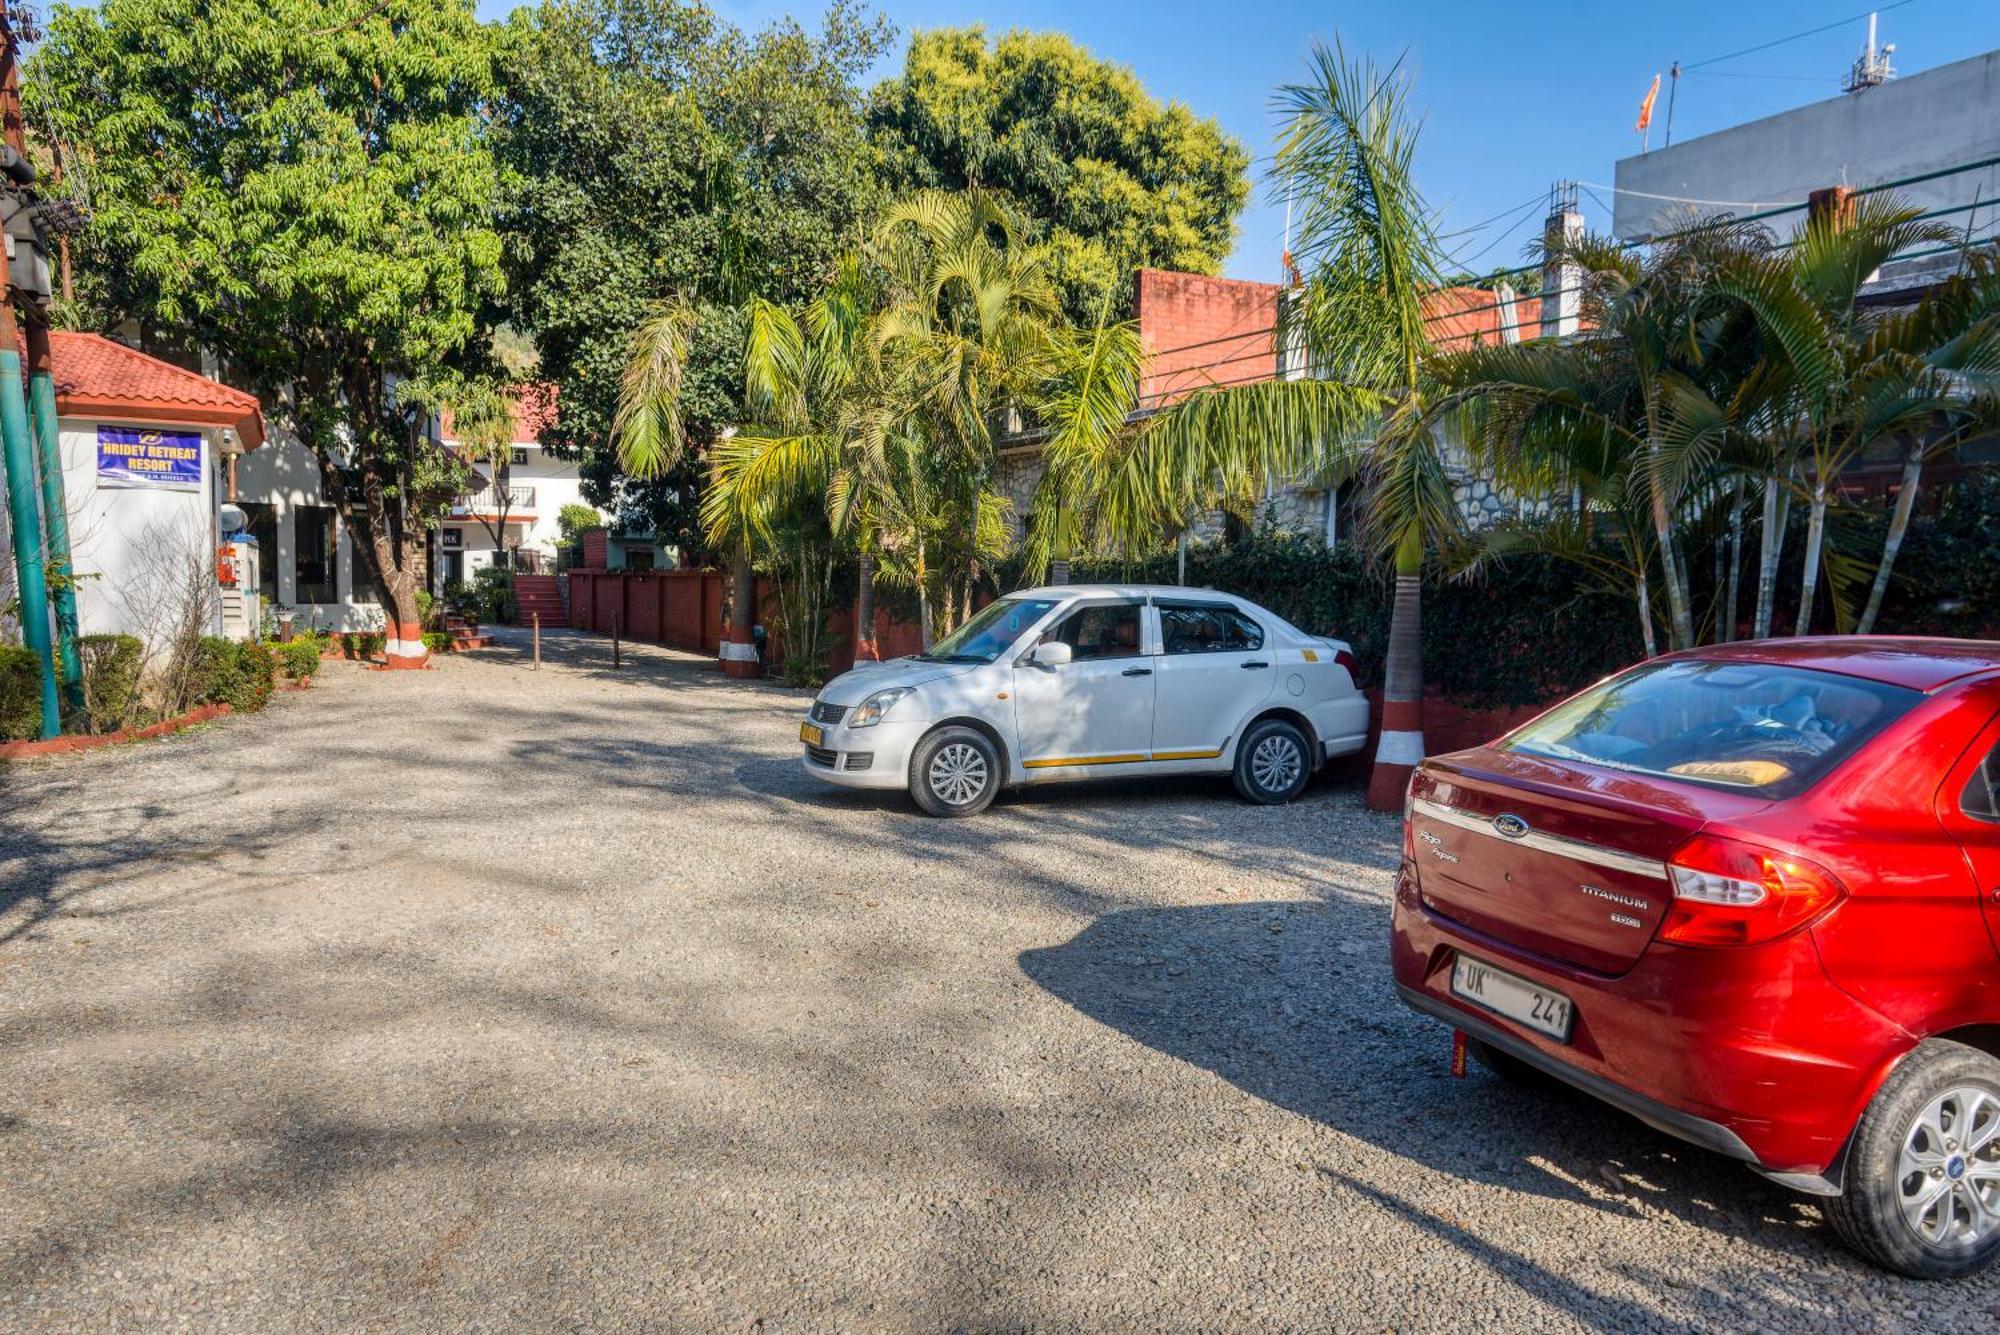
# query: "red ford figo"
{"type": "Point", "coordinates": [1749, 894]}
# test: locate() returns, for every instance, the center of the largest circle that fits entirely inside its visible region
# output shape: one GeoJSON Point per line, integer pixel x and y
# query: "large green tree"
{"type": "Point", "coordinates": [1117, 180]}
{"type": "Point", "coordinates": [661, 150]}
{"type": "Point", "coordinates": [303, 187]}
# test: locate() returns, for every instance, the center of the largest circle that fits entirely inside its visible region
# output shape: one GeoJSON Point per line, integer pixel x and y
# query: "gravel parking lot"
{"type": "Point", "coordinates": [492, 998]}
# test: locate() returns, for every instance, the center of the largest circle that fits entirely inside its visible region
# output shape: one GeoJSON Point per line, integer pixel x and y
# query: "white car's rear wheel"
{"type": "Point", "coordinates": [1273, 763]}
{"type": "Point", "coordinates": [955, 771]}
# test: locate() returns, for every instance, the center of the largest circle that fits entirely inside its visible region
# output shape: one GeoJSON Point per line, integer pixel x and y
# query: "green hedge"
{"type": "Point", "coordinates": [20, 693]}
{"type": "Point", "coordinates": [111, 668]}
{"type": "Point", "coordinates": [1521, 633]}
{"type": "Point", "coordinates": [300, 656]}
{"type": "Point", "coordinates": [238, 673]}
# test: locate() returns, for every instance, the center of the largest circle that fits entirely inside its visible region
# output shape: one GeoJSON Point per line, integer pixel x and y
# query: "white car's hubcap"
{"type": "Point", "coordinates": [1948, 1173]}
{"type": "Point", "coordinates": [958, 773]}
{"type": "Point", "coordinates": [1275, 764]}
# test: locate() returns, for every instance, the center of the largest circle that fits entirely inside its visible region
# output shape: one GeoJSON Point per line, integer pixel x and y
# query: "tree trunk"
{"type": "Point", "coordinates": [1772, 545]}
{"type": "Point", "coordinates": [925, 622]}
{"type": "Point", "coordinates": [1180, 559]}
{"type": "Point", "coordinates": [1899, 524]}
{"type": "Point", "coordinates": [389, 557]}
{"type": "Point", "coordinates": [1401, 744]}
{"type": "Point", "coordinates": [865, 649]}
{"type": "Point", "coordinates": [739, 646]}
{"type": "Point", "coordinates": [1809, 577]}
{"type": "Point", "coordinates": [1735, 578]}
{"type": "Point", "coordinates": [1646, 616]}
{"type": "Point", "coordinates": [1059, 570]}
{"type": "Point", "coordinates": [1681, 619]}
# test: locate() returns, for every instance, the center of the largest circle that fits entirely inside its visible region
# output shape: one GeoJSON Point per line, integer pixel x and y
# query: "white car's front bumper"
{"type": "Point", "coordinates": [877, 757]}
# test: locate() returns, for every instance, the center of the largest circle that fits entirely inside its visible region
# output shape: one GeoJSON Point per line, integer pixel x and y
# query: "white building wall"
{"type": "Point", "coordinates": [535, 528]}
{"type": "Point", "coordinates": [136, 548]}
{"type": "Point", "coordinates": [284, 475]}
{"type": "Point", "coordinates": [1920, 123]}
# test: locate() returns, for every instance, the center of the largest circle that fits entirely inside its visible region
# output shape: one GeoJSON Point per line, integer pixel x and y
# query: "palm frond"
{"type": "Point", "coordinates": [648, 428]}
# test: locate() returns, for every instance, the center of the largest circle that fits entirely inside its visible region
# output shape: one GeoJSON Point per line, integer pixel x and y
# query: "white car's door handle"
{"type": "Point", "coordinates": [1136, 672]}
{"type": "Point", "coordinates": [1257, 664]}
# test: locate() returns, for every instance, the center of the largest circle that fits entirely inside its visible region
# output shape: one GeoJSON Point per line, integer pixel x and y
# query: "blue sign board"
{"type": "Point", "coordinates": [132, 456]}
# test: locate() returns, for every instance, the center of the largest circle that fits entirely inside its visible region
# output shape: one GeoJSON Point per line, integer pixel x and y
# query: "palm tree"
{"type": "Point", "coordinates": [1621, 424]}
{"type": "Point", "coordinates": [1370, 253]}
{"type": "Point", "coordinates": [1953, 334]}
{"type": "Point", "coordinates": [880, 400]}
{"type": "Point", "coordinates": [651, 438]}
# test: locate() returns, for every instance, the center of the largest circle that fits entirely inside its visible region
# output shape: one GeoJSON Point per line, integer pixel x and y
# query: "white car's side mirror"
{"type": "Point", "coordinates": [1049, 654]}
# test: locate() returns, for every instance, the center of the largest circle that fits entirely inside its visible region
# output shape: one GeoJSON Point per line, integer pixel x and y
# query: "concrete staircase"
{"type": "Point", "coordinates": [539, 593]}
{"type": "Point", "coordinates": [465, 633]}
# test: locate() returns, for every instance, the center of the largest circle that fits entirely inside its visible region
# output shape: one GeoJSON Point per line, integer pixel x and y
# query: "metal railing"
{"type": "Point", "coordinates": [487, 500]}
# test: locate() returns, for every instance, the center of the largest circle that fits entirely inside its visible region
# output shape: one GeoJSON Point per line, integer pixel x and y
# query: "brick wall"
{"type": "Point", "coordinates": [1230, 318]}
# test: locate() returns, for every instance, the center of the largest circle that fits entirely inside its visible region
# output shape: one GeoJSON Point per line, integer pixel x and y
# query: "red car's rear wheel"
{"type": "Point", "coordinates": [1923, 1180]}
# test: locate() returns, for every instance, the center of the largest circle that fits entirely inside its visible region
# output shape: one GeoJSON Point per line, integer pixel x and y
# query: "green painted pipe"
{"type": "Point", "coordinates": [25, 521]}
{"type": "Point", "coordinates": [55, 520]}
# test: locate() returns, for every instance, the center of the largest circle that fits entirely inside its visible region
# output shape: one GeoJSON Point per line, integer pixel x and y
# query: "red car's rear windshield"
{"type": "Point", "coordinates": [1751, 727]}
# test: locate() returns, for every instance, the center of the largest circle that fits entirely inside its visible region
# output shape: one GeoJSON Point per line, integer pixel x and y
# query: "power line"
{"type": "Point", "coordinates": [1457, 262]}
{"type": "Point", "coordinates": [1809, 32]}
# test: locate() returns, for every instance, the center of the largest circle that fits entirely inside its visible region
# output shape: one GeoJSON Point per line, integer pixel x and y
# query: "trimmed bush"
{"type": "Point", "coordinates": [437, 641]}
{"type": "Point", "coordinates": [20, 693]}
{"type": "Point", "coordinates": [238, 673]}
{"type": "Point", "coordinates": [492, 595]}
{"type": "Point", "coordinates": [300, 657]}
{"type": "Point", "coordinates": [111, 668]}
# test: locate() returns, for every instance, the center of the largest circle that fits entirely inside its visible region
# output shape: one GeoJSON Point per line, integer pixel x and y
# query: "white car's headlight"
{"type": "Point", "coordinates": [870, 711]}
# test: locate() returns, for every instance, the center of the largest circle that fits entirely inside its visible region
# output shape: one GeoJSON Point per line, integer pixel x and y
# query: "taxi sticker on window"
{"type": "Point", "coordinates": [1748, 773]}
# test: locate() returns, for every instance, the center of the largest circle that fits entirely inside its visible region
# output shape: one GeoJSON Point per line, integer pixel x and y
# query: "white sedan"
{"type": "Point", "coordinates": [1092, 681]}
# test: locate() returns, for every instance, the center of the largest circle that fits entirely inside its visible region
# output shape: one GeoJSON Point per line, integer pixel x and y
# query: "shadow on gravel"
{"type": "Point", "coordinates": [1293, 1003]}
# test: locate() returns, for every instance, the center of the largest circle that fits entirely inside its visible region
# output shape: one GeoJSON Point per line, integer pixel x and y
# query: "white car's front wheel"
{"type": "Point", "coordinates": [955, 771]}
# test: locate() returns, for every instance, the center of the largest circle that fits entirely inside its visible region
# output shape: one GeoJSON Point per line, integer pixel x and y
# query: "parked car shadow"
{"type": "Point", "coordinates": [1292, 1002]}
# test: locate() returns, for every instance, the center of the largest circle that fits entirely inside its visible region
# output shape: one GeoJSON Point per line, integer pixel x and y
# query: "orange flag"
{"type": "Point", "coordinates": [1646, 107]}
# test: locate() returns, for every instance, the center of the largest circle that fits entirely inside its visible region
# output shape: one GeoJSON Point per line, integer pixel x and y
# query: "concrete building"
{"type": "Point", "coordinates": [538, 485]}
{"type": "Point", "coordinates": [147, 450]}
{"type": "Point", "coordinates": [1925, 123]}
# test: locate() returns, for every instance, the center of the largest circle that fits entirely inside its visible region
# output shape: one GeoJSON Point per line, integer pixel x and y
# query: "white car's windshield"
{"type": "Point", "coordinates": [990, 633]}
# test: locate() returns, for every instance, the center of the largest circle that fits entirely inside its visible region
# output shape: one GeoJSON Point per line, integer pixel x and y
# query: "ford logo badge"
{"type": "Point", "coordinates": [1510, 825]}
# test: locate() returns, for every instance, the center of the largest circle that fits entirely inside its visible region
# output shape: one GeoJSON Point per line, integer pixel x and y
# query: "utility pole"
{"type": "Point", "coordinates": [16, 444]}
{"type": "Point", "coordinates": [1672, 88]}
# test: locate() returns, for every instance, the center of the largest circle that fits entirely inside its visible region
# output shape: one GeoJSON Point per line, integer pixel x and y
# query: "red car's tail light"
{"type": "Point", "coordinates": [1731, 893]}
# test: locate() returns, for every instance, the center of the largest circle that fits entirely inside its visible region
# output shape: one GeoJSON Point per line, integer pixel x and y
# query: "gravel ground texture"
{"type": "Point", "coordinates": [493, 998]}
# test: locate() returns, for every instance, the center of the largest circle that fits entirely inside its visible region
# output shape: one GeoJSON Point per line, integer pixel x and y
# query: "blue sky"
{"type": "Point", "coordinates": [1517, 94]}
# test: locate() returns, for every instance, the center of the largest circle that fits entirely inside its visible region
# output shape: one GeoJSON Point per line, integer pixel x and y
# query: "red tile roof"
{"type": "Point", "coordinates": [97, 377]}
{"type": "Point", "coordinates": [534, 409]}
